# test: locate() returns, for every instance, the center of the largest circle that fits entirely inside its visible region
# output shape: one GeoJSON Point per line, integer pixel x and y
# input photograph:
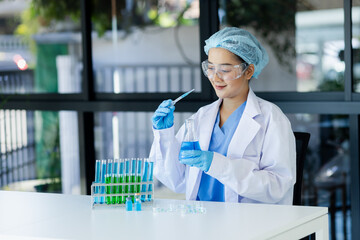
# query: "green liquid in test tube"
{"type": "Point", "coordinates": [144, 180]}
{"type": "Point", "coordinates": [138, 175]}
{"type": "Point", "coordinates": [127, 177]}
{"type": "Point", "coordinates": [121, 180]}
{"type": "Point", "coordinates": [115, 189]}
{"type": "Point", "coordinates": [133, 179]}
{"type": "Point", "coordinates": [108, 178]}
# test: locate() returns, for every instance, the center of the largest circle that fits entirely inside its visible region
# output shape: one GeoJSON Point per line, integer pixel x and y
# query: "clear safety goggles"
{"type": "Point", "coordinates": [225, 72]}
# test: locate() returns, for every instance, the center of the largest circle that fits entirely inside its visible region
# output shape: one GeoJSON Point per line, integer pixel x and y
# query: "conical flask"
{"type": "Point", "coordinates": [191, 141]}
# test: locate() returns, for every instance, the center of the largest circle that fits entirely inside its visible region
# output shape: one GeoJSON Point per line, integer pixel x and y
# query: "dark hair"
{"type": "Point", "coordinates": [240, 59]}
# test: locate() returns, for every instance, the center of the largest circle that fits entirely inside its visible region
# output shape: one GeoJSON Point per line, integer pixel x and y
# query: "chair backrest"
{"type": "Point", "coordinates": [302, 141]}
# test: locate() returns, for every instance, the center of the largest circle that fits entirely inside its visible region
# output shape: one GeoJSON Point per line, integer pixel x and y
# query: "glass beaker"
{"type": "Point", "coordinates": [190, 141]}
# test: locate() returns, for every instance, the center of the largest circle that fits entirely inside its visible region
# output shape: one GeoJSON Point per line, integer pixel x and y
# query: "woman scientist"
{"type": "Point", "coordinates": [248, 147]}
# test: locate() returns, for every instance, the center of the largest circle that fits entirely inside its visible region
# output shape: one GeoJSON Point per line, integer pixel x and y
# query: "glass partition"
{"type": "Point", "coordinates": [39, 151]}
{"type": "Point", "coordinates": [304, 39]}
{"type": "Point", "coordinates": [326, 177]}
{"type": "Point", "coordinates": [146, 46]}
{"type": "Point", "coordinates": [40, 47]}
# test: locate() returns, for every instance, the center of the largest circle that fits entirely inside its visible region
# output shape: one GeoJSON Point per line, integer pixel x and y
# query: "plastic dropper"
{"type": "Point", "coordinates": [181, 97]}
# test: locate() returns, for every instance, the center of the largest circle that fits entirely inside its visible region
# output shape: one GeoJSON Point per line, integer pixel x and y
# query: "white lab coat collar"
{"type": "Point", "coordinates": [252, 107]}
{"type": "Point", "coordinates": [247, 127]}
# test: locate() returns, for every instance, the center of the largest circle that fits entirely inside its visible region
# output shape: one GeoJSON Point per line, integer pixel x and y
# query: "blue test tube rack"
{"type": "Point", "coordinates": [144, 172]}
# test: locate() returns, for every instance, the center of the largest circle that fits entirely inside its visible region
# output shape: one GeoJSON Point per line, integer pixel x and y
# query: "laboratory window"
{"type": "Point", "coordinates": [146, 46]}
{"type": "Point", "coordinates": [40, 56]}
{"type": "Point", "coordinates": [326, 177]}
{"type": "Point", "coordinates": [301, 58]}
{"type": "Point", "coordinates": [39, 151]}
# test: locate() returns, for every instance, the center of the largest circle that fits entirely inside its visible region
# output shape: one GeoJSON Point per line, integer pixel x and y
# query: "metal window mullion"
{"type": "Point", "coordinates": [86, 119]}
{"type": "Point", "coordinates": [354, 175]}
{"type": "Point", "coordinates": [86, 150]}
{"type": "Point", "coordinates": [88, 78]}
{"type": "Point", "coordinates": [348, 76]}
{"type": "Point", "coordinates": [208, 24]}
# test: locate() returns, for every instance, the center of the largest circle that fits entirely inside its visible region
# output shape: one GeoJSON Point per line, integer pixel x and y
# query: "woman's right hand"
{"type": "Point", "coordinates": [164, 115]}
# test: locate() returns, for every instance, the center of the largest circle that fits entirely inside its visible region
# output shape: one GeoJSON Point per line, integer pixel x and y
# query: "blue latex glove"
{"type": "Point", "coordinates": [196, 158]}
{"type": "Point", "coordinates": [164, 115]}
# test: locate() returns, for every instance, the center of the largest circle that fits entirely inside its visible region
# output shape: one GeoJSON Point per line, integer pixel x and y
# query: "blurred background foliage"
{"type": "Point", "coordinates": [270, 19]}
{"type": "Point", "coordinates": [269, 22]}
{"type": "Point", "coordinates": [44, 15]}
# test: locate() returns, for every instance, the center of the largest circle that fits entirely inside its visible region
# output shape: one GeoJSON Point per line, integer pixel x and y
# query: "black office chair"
{"type": "Point", "coordinates": [302, 141]}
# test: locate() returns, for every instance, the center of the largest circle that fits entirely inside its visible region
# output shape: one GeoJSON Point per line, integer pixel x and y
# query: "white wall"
{"type": "Point", "coordinates": [150, 46]}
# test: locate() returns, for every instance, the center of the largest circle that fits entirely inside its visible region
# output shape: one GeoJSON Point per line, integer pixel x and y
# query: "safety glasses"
{"type": "Point", "coordinates": [225, 72]}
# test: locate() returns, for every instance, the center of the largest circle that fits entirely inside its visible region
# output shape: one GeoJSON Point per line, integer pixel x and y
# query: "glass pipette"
{"type": "Point", "coordinates": [181, 97]}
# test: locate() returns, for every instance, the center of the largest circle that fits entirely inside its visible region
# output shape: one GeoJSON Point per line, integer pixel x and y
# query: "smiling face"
{"type": "Point", "coordinates": [236, 89]}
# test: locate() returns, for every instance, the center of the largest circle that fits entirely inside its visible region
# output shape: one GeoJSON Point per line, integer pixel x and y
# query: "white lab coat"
{"type": "Point", "coordinates": [260, 163]}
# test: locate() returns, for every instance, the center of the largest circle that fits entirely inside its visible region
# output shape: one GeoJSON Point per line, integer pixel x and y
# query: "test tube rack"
{"type": "Point", "coordinates": [118, 179]}
{"type": "Point", "coordinates": [145, 196]}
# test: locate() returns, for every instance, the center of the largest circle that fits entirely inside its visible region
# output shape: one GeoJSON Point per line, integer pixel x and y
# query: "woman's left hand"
{"type": "Point", "coordinates": [196, 158]}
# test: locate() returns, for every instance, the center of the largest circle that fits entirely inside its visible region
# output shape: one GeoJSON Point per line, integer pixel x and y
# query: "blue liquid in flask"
{"type": "Point", "coordinates": [190, 146]}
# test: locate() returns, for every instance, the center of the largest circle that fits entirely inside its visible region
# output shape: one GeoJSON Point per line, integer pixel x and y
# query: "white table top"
{"type": "Point", "coordinates": [39, 215]}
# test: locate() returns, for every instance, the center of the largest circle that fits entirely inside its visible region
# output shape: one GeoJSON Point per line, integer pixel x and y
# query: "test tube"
{"type": "Point", "coordinates": [133, 178]}
{"type": "Point", "coordinates": [102, 179]}
{"type": "Point", "coordinates": [138, 174]}
{"type": "Point", "coordinates": [151, 169]}
{"type": "Point", "coordinates": [108, 177]}
{"type": "Point", "coordinates": [97, 179]}
{"type": "Point", "coordinates": [114, 179]}
{"type": "Point", "coordinates": [120, 199]}
{"type": "Point", "coordinates": [127, 177]}
{"type": "Point", "coordinates": [144, 180]}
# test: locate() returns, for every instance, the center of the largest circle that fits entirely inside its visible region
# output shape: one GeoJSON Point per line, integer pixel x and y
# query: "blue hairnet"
{"type": "Point", "coordinates": [241, 43]}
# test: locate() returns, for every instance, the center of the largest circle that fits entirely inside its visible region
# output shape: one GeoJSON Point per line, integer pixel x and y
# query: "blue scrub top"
{"type": "Point", "coordinates": [211, 189]}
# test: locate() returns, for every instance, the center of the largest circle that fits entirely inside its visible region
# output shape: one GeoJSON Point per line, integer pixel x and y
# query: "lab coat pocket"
{"type": "Point", "coordinates": [252, 151]}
